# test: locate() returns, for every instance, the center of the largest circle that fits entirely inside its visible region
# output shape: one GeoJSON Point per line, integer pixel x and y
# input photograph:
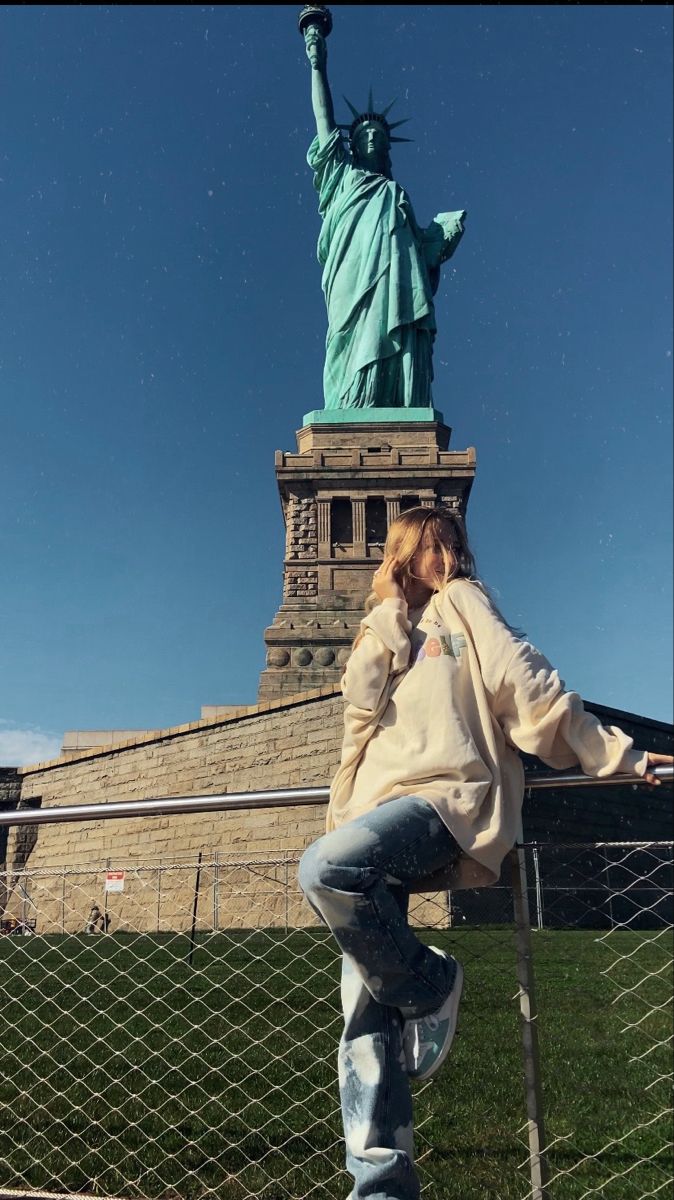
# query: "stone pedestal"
{"type": "Point", "coordinates": [339, 493]}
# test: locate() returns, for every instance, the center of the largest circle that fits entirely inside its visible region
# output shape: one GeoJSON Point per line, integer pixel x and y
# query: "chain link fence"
{"type": "Point", "coordinates": [603, 959]}
{"type": "Point", "coordinates": [168, 1030]}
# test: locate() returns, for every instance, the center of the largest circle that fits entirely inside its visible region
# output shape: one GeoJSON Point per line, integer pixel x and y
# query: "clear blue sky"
{"type": "Point", "coordinates": [163, 325]}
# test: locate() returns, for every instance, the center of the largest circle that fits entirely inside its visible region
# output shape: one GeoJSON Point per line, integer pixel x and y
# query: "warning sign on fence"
{"type": "Point", "coordinates": [114, 881]}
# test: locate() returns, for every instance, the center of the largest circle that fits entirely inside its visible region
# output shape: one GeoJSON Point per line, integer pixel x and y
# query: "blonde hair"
{"type": "Point", "coordinates": [407, 535]}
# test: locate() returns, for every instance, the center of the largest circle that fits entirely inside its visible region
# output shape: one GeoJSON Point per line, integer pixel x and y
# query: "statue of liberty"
{"type": "Point", "coordinates": [380, 268]}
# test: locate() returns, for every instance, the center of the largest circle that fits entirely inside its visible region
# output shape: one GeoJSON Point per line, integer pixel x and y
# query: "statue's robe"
{"type": "Point", "coordinates": [380, 272]}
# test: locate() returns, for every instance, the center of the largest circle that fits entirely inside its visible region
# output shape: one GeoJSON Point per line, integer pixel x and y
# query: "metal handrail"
{"type": "Point", "coordinates": [280, 798]}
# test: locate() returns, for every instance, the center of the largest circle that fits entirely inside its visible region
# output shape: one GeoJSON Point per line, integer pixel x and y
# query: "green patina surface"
{"type": "Point", "coordinates": [381, 269]}
{"type": "Point", "coordinates": [363, 416]}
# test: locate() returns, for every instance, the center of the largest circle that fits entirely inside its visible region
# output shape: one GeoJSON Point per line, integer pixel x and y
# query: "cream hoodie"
{"type": "Point", "coordinates": [438, 702]}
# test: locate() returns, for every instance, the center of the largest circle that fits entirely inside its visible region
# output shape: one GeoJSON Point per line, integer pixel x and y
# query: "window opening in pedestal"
{"type": "Point", "coordinates": [375, 523]}
{"type": "Point", "coordinates": [341, 522]}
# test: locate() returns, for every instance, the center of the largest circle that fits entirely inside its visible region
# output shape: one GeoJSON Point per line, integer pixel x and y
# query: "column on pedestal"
{"type": "Point", "coordinates": [359, 546]}
{"type": "Point", "coordinates": [392, 509]}
{"type": "Point", "coordinates": [324, 530]}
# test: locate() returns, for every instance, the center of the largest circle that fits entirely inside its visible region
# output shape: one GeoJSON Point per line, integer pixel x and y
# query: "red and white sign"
{"type": "Point", "coordinates": [114, 881]}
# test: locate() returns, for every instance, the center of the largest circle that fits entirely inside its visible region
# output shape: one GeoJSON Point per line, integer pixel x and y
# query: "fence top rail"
{"type": "Point", "coordinates": [279, 798]}
{"type": "Point", "coordinates": [643, 844]}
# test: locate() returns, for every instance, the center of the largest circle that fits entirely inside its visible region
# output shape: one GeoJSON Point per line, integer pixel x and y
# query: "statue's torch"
{"type": "Point", "coordinates": [315, 23]}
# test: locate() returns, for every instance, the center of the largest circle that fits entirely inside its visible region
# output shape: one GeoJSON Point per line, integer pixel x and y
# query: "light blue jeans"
{"type": "Point", "coordinates": [358, 880]}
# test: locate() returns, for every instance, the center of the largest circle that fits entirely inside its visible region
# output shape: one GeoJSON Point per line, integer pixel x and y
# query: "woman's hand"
{"type": "Point", "coordinates": [657, 760]}
{"type": "Point", "coordinates": [385, 581]}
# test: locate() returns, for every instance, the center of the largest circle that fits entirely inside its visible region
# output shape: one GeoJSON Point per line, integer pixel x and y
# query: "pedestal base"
{"type": "Point", "coordinates": [340, 492]}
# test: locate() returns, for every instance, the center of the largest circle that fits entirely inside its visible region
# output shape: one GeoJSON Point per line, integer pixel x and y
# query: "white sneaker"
{"type": "Point", "coordinates": [427, 1041]}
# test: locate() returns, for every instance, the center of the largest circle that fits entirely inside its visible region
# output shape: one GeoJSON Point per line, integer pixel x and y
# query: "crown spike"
{"type": "Point", "coordinates": [354, 111]}
{"type": "Point", "coordinates": [360, 117]}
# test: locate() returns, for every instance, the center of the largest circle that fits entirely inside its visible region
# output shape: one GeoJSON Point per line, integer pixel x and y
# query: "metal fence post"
{"type": "Point", "coordinates": [539, 888]}
{"type": "Point", "coordinates": [106, 919]}
{"type": "Point", "coordinates": [216, 892]}
{"type": "Point", "coordinates": [287, 897]}
{"type": "Point", "coordinates": [195, 910]}
{"type": "Point", "coordinates": [612, 922]}
{"type": "Point", "coordinates": [529, 1027]}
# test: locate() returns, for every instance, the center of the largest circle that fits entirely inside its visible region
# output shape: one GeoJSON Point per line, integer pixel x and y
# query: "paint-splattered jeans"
{"type": "Point", "coordinates": [357, 879]}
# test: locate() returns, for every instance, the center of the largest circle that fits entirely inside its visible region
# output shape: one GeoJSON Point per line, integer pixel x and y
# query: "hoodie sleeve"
{"type": "Point", "coordinates": [539, 717]}
{"type": "Point", "coordinates": [382, 650]}
{"type": "Point", "coordinates": [529, 701]}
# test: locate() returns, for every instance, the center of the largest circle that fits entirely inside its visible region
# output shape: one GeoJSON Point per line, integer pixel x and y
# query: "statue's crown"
{"type": "Point", "coordinates": [371, 116]}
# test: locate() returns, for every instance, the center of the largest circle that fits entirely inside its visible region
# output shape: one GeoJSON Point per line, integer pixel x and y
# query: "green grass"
{"type": "Point", "coordinates": [125, 1071]}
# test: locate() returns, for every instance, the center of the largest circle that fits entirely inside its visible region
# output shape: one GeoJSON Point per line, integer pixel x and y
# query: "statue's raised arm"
{"type": "Point", "coordinates": [315, 23]}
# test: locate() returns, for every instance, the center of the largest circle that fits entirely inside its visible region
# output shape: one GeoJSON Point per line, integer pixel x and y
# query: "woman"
{"type": "Point", "coordinates": [441, 694]}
